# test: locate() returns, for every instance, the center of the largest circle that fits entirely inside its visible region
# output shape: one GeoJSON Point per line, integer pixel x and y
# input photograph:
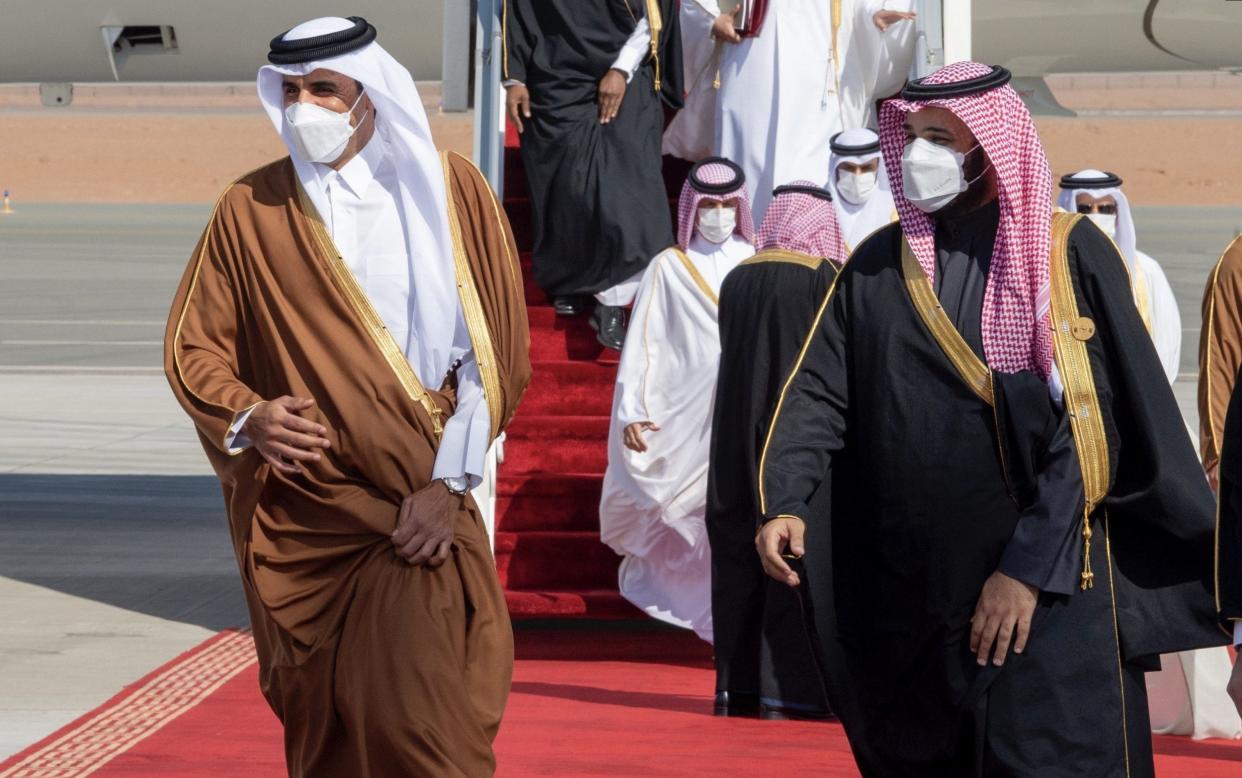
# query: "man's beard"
{"type": "Point", "coordinates": [979, 193]}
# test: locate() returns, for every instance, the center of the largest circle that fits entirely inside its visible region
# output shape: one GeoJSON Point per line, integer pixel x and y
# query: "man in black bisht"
{"type": "Point", "coordinates": [586, 82]}
{"type": "Point", "coordinates": [1229, 533]}
{"type": "Point", "coordinates": [765, 663]}
{"type": "Point", "coordinates": [1008, 468]}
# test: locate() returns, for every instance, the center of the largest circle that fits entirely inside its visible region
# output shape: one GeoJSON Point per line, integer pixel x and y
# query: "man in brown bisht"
{"type": "Point", "coordinates": [349, 338]}
{"type": "Point", "coordinates": [1220, 353]}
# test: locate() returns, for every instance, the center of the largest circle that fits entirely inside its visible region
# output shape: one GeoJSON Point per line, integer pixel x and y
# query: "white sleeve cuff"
{"type": "Point", "coordinates": [635, 48]}
{"type": "Point", "coordinates": [1237, 633]}
{"type": "Point", "coordinates": [467, 433]}
{"type": "Point", "coordinates": [508, 82]}
{"type": "Point", "coordinates": [236, 441]}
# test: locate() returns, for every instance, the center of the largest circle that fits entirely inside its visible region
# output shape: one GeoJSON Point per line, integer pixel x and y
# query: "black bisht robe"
{"type": "Point", "coordinates": [921, 515]}
{"type": "Point", "coordinates": [1229, 531]}
{"type": "Point", "coordinates": [599, 206]}
{"type": "Point", "coordinates": [763, 654]}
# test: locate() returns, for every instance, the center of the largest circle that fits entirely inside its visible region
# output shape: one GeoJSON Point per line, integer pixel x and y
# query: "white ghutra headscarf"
{"type": "Point", "coordinates": [402, 124]}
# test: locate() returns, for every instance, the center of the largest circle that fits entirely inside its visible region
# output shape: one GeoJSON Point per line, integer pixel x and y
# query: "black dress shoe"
{"type": "Point", "coordinates": [734, 704]}
{"type": "Point", "coordinates": [567, 305]}
{"type": "Point", "coordinates": [608, 321]}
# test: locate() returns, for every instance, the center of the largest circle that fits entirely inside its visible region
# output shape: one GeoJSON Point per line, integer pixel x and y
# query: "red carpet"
{"type": "Point", "coordinates": [548, 552]}
{"type": "Point", "coordinates": [585, 702]}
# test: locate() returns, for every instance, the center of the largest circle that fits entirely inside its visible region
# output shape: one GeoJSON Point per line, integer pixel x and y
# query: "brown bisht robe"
{"type": "Point", "coordinates": [375, 667]}
{"type": "Point", "coordinates": [1220, 350]}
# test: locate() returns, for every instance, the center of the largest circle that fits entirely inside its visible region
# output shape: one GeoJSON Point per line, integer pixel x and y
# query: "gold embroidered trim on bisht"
{"type": "Point", "coordinates": [472, 309]}
{"type": "Point", "coordinates": [1070, 333]}
{"type": "Point", "coordinates": [696, 276]}
{"type": "Point", "coordinates": [785, 255]}
{"type": "Point", "coordinates": [357, 299]}
{"type": "Point", "coordinates": [1121, 677]}
{"type": "Point", "coordinates": [1208, 326]}
{"type": "Point", "coordinates": [780, 400]}
{"type": "Point", "coordinates": [973, 371]}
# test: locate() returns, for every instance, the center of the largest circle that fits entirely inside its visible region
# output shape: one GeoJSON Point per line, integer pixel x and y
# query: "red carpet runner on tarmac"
{"type": "Point", "coordinates": [585, 703]}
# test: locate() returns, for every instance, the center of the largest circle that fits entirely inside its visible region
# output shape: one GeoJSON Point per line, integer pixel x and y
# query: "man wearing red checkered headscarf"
{"type": "Point", "coordinates": [764, 664]}
{"type": "Point", "coordinates": [655, 487]}
{"type": "Point", "coordinates": [1016, 525]}
{"type": "Point", "coordinates": [801, 218]}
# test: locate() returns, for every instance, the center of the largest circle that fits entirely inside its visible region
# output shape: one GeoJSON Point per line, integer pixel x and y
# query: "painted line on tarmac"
{"type": "Point", "coordinates": [89, 322]}
{"type": "Point", "coordinates": [1157, 113]}
{"type": "Point", "coordinates": [78, 369]}
{"type": "Point", "coordinates": [81, 342]}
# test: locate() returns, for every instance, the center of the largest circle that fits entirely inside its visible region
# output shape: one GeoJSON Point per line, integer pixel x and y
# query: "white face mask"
{"type": "Point", "coordinates": [320, 134]}
{"type": "Point", "coordinates": [717, 224]}
{"type": "Point", "coordinates": [1106, 222]}
{"type": "Point", "coordinates": [932, 175]}
{"type": "Point", "coordinates": [856, 187]}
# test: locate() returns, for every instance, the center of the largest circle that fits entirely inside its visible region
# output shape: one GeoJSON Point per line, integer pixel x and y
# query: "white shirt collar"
{"type": "Point", "coordinates": [359, 172]}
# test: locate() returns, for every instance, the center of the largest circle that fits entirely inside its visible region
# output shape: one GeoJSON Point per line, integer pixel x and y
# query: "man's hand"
{"type": "Point", "coordinates": [774, 538]}
{"type": "Point", "coordinates": [723, 28]}
{"type": "Point", "coordinates": [283, 437]}
{"type": "Point", "coordinates": [1234, 686]}
{"type": "Point", "coordinates": [517, 104]}
{"type": "Point", "coordinates": [1006, 604]}
{"type": "Point", "coordinates": [884, 19]}
{"type": "Point", "coordinates": [633, 435]}
{"type": "Point", "coordinates": [611, 92]}
{"type": "Point", "coordinates": [424, 533]}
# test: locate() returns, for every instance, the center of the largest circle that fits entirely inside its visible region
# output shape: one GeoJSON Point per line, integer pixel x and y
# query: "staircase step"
{"type": "Point", "coordinates": [559, 338]}
{"type": "Point", "coordinates": [555, 560]}
{"type": "Point", "coordinates": [573, 604]}
{"type": "Point", "coordinates": [556, 444]}
{"type": "Point", "coordinates": [570, 388]}
{"type": "Point", "coordinates": [548, 502]}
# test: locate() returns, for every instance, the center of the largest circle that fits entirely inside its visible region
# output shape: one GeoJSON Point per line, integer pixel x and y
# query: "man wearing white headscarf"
{"type": "Point", "coordinates": [782, 79]}
{"type": "Point", "coordinates": [655, 488]}
{"type": "Point", "coordinates": [1187, 695]}
{"type": "Point", "coordinates": [349, 338]}
{"type": "Point", "coordinates": [1097, 195]}
{"type": "Point", "coordinates": [859, 185]}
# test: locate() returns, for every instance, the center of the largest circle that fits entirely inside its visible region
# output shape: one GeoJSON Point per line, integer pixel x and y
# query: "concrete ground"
{"type": "Point", "coordinates": [116, 555]}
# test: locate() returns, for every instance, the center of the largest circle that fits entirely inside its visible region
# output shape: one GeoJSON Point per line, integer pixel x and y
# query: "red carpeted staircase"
{"type": "Point", "coordinates": [551, 561]}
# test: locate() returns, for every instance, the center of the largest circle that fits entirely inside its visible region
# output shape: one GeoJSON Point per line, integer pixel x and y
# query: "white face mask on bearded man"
{"type": "Point", "coordinates": [319, 133]}
{"type": "Point", "coordinates": [717, 223]}
{"type": "Point", "coordinates": [856, 187]}
{"type": "Point", "coordinates": [932, 176]}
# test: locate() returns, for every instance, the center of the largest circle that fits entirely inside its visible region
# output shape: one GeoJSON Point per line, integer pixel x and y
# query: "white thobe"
{"type": "Point", "coordinates": [1161, 307]}
{"type": "Point", "coordinates": [365, 220]}
{"type": "Point", "coordinates": [784, 94]}
{"type": "Point", "coordinates": [653, 504]}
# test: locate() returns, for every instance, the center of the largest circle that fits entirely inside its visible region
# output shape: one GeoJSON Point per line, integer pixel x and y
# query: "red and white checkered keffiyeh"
{"type": "Point", "coordinates": [1016, 328]}
{"type": "Point", "coordinates": [798, 221]}
{"type": "Point", "coordinates": [688, 203]}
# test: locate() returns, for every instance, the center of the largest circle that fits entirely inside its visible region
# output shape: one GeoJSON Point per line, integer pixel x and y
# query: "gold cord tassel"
{"type": "Point", "coordinates": [1088, 577]}
{"type": "Point", "coordinates": [656, 22]}
{"type": "Point", "coordinates": [716, 83]}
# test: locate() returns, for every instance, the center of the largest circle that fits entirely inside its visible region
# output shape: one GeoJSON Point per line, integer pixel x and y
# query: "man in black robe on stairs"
{"type": "Point", "coordinates": [1008, 468]}
{"type": "Point", "coordinates": [765, 663]}
{"type": "Point", "coordinates": [586, 82]}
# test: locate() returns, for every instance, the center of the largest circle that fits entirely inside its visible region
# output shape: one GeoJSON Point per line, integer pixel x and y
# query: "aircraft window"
{"type": "Point", "coordinates": [146, 36]}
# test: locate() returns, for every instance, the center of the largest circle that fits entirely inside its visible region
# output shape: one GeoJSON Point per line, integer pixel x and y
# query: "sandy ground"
{"type": "Point", "coordinates": [1174, 139]}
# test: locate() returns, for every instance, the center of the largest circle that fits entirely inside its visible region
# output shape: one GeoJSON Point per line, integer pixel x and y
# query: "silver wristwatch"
{"type": "Point", "coordinates": [457, 486]}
